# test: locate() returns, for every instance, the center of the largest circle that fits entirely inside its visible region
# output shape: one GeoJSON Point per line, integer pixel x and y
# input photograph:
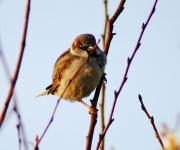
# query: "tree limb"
{"type": "Point", "coordinates": [93, 118]}
{"type": "Point", "coordinates": [18, 65]}
{"type": "Point", "coordinates": [129, 60]}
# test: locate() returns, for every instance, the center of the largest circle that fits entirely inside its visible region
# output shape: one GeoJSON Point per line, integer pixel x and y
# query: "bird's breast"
{"type": "Point", "coordinates": [80, 79]}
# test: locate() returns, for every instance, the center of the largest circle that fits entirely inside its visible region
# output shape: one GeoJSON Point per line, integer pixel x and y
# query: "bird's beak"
{"type": "Point", "coordinates": [91, 49]}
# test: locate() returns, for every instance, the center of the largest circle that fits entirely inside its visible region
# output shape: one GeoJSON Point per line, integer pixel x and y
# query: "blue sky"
{"type": "Point", "coordinates": [53, 25]}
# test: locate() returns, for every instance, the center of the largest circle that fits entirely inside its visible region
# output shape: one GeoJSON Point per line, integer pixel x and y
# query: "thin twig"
{"type": "Point", "coordinates": [102, 114]}
{"type": "Point", "coordinates": [37, 139]}
{"type": "Point", "coordinates": [129, 60]}
{"type": "Point", "coordinates": [110, 24]}
{"type": "Point", "coordinates": [105, 23]}
{"type": "Point", "coordinates": [20, 126]}
{"type": "Point", "coordinates": [103, 88]}
{"type": "Point", "coordinates": [18, 65]}
{"type": "Point", "coordinates": [151, 119]}
{"type": "Point", "coordinates": [93, 118]}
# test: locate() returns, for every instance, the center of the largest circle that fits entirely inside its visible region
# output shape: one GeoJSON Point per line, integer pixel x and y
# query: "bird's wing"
{"type": "Point", "coordinates": [61, 64]}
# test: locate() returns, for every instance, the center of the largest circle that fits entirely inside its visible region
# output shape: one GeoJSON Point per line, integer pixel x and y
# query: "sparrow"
{"type": "Point", "coordinates": [78, 71]}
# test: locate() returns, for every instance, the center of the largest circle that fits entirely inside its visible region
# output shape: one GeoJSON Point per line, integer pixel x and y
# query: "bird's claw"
{"type": "Point", "coordinates": [93, 111]}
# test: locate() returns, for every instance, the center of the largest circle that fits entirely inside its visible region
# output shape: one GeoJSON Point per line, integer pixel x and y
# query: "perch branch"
{"type": "Point", "coordinates": [151, 119]}
{"type": "Point", "coordinates": [18, 65]}
{"type": "Point", "coordinates": [93, 118]}
{"type": "Point", "coordinates": [129, 60]}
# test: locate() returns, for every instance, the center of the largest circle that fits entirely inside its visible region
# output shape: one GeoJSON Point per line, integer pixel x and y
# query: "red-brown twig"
{"type": "Point", "coordinates": [37, 139]}
{"type": "Point", "coordinates": [110, 23]}
{"type": "Point", "coordinates": [93, 118]}
{"type": "Point", "coordinates": [129, 60]}
{"type": "Point", "coordinates": [7, 72]}
{"type": "Point", "coordinates": [18, 65]}
{"type": "Point", "coordinates": [151, 119]}
{"type": "Point", "coordinates": [20, 126]}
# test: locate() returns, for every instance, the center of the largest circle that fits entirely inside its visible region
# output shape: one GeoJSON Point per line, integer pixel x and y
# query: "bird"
{"type": "Point", "coordinates": [77, 71]}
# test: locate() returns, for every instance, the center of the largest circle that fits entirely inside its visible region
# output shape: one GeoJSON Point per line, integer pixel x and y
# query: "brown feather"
{"type": "Point", "coordinates": [61, 64]}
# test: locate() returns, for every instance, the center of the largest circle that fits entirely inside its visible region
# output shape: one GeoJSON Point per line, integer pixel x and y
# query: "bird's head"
{"type": "Point", "coordinates": [84, 45]}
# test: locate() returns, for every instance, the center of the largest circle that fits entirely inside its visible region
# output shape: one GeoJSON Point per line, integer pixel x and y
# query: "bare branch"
{"type": "Point", "coordinates": [20, 126]}
{"type": "Point", "coordinates": [151, 119]}
{"type": "Point", "coordinates": [129, 60]}
{"type": "Point", "coordinates": [18, 65]}
{"type": "Point", "coordinates": [93, 118]}
{"type": "Point", "coordinates": [110, 24]}
{"type": "Point", "coordinates": [37, 139]}
{"type": "Point", "coordinates": [102, 114]}
{"type": "Point", "coordinates": [103, 88]}
{"type": "Point", "coordinates": [105, 23]}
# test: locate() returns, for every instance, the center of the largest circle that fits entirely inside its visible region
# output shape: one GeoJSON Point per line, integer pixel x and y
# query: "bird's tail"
{"type": "Point", "coordinates": [43, 93]}
{"type": "Point", "coordinates": [47, 92]}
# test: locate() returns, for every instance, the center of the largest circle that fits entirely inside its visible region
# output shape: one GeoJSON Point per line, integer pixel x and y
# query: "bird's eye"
{"type": "Point", "coordinates": [83, 47]}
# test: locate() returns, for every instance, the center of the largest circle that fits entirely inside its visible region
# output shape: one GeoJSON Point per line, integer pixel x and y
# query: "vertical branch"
{"type": "Point", "coordinates": [103, 88]}
{"type": "Point", "coordinates": [18, 65]}
{"type": "Point", "coordinates": [105, 23]}
{"type": "Point", "coordinates": [110, 25]}
{"type": "Point", "coordinates": [151, 119]}
{"type": "Point", "coordinates": [102, 114]}
{"type": "Point", "coordinates": [129, 60]}
{"type": "Point", "coordinates": [93, 118]}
